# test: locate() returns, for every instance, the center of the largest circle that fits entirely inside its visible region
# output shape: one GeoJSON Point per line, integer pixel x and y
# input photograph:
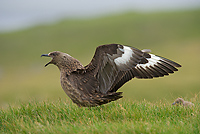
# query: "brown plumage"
{"type": "Point", "coordinates": [111, 67]}
{"type": "Point", "coordinates": [180, 101]}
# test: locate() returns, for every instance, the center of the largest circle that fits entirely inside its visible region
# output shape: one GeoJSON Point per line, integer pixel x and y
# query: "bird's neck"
{"type": "Point", "coordinates": [69, 66]}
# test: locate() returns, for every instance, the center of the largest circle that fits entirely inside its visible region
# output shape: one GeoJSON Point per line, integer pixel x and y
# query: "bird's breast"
{"type": "Point", "coordinates": [69, 89]}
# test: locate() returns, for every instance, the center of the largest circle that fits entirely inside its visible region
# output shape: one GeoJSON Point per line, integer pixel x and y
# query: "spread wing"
{"type": "Point", "coordinates": [114, 64]}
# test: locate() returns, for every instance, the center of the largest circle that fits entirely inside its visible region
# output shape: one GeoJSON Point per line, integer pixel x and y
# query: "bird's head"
{"type": "Point", "coordinates": [178, 101]}
{"type": "Point", "coordinates": [58, 58]}
{"type": "Point", "coordinates": [63, 61]}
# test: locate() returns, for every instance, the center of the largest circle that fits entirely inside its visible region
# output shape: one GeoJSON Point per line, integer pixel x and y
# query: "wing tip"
{"type": "Point", "coordinates": [175, 64]}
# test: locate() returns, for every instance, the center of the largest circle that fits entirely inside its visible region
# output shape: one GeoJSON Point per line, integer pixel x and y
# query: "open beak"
{"type": "Point", "coordinates": [46, 55]}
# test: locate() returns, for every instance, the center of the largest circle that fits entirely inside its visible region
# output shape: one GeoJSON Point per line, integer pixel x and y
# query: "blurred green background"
{"type": "Point", "coordinates": [174, 35]}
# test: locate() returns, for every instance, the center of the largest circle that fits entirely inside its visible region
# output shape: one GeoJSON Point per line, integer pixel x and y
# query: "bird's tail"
{"type": "Point", "coordinates": [112, 96]}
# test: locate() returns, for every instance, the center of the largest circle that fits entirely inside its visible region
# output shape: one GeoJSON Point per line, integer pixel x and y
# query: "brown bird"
{"type": "Point", "coordinates": [180, 101]}
{"type": "Point", "coordinates": [111, 67]}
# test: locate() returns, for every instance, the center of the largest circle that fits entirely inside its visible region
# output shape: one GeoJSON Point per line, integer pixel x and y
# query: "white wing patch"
{"type": "Point", "coordinates": [125, 56]}
{"type": "Point", "coordinates": [151, 61]}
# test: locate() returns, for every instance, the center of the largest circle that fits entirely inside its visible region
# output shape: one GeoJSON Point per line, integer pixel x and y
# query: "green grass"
{"type": "Point", "coordinates": [124, 116]}
{"type": "Point", "coordinates": [174, 35]}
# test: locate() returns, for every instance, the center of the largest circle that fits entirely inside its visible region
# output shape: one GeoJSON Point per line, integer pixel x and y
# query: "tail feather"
{"type": "Point", "coordinates": [103, 99]}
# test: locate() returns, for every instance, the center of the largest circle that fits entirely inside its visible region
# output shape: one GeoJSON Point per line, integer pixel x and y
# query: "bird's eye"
{"type": "Point", "coordinates": [52, 54]}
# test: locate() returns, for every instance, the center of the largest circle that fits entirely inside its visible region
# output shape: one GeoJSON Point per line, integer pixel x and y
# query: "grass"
{"type": "Point", "coordinates": [174, 35]}
{"type": "Point", "coordinates": [124, 116]}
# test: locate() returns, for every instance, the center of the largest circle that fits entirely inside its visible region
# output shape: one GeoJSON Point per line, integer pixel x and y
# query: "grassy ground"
{"type": "Point", "coordinates": [174, 35]}
{"type": "Point", "coordinates": [123, 116]}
